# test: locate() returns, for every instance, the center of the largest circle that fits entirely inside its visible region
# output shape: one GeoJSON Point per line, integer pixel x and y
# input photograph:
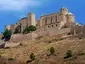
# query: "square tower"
{"type": "Point", "coordinates": [31, 19]}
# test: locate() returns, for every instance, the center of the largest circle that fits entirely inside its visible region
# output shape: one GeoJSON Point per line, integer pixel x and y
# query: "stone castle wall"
{"type": "Point", "coordinates": [43, 32]}
{"type": "Point", "coordinates": [78, 30]}
{"type": "Point", "coordinates": [23, 37]}
{"type": "Point", "coordinates": [52, 31]}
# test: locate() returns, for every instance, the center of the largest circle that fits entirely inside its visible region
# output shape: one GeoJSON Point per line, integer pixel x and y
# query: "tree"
{"type": "Point", "coordinates": [7, 34]}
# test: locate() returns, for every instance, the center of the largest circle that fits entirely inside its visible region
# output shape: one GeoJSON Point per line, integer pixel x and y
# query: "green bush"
{"type": "Point", "coordinates": [52, 50]}
{"type": "Point", "coordinates": [26, 30]}
{"type": "Point", "coordinates": [32, 56]}
{"type": "Point", "coordinates": [11, 59]}
{"type": "Point", "coordinates": [32, 28]}
{"type": "Point", "coordinates": [7, 34]}
{"type": "Point", "coordinates": [68, 54]}
{"type": "Point", "coordinates": [81, 53]}
{"type": "Point", "coordinates": [29, 29]}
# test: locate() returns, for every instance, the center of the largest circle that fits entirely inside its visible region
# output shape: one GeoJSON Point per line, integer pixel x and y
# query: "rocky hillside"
{"type": "Point", "coordinates": [41, 49]}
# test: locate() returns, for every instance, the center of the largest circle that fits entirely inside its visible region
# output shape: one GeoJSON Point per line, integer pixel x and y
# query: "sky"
{"type": "Point", "coordinates": [13, 10]}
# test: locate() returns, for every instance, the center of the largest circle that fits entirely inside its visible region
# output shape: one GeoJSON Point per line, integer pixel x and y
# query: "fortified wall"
{"type": "Point", "coordinates": [50, 24]}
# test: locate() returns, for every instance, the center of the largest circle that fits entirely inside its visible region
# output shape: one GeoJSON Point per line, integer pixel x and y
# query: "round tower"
{"type": "Point", "coordinates": [70, 20]}
{"type": "Point", "coordinates": [64, 10]}
{"type": "Point", "coordinates": [70, 17]}
{"type": "Point", "coordinates": [31, 19]}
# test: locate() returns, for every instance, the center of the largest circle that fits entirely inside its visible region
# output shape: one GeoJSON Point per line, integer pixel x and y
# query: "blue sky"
{"type": "Point", "coordinates": [13, 10]}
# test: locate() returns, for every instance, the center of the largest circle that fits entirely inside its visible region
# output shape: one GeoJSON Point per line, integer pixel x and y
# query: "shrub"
{"type": "Point", "coordinates": [11, 59]}
{"type": "Point", "coordinates": [68, 54]}
{"type": "Point", "coordinates": [52, 50]}
{"type": "Point", "coordinates": [29, 29]}
{"type": "Point", "coordinates": [81, 53]}
{"type": "Point", "coordinates": [26, 30]}
{"type": "Point", "coordinates": [32, 28]}
{"type": "Point", "coordinates": [32, 56]}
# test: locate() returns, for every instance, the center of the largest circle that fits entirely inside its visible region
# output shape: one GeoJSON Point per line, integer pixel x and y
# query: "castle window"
{"type": "Point", "coordinates": [68, 33]}
{"type": "Point", "coordinates": [48, 26]}
{"type": "Point", "coordinates": [56, 25]}
{"type": "Point", "coordinates": [52, 25]}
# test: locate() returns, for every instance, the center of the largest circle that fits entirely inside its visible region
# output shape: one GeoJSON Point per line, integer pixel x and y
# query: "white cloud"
{"type": "Point", "coordinates": [18, 4]}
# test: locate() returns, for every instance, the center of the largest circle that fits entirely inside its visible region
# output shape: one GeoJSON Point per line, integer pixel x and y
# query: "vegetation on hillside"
{"type": "Point", "coordinates": [52, 50]}
{"type": "Point", "coordinates": [11, 59]}
{"type": "Point", "coordinates": [7, 34]}
{"type": "Point", "coordinates": [29, 29]}
{"type": "Point", "coordinates": [68, 54]}
{"type": "Point", "coordinates": [32, 56]}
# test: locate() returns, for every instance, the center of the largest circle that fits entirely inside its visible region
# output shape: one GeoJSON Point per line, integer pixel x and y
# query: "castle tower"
{"type": "Point", "coordinates": [70, 18]}
{"type": "Point", "coordinates": [39, 22]}
{"type": "Point", "coordinates": [64, 10]}
{"type": "Point", "coordinates": [31, 19]}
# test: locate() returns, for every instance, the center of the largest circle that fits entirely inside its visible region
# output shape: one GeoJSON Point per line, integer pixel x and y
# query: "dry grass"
{"type": "Point", "coordinates": [41, 49]}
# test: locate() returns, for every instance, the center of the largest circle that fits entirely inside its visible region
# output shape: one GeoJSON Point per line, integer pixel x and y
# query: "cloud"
{"type": "Point", "coordinates": [18, 4]}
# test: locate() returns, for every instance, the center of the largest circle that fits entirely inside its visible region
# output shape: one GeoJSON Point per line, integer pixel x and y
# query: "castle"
{"type": "Point", "coordinates": [59, 20]}
{"type": "Point", "coordinates": [51, 24]}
